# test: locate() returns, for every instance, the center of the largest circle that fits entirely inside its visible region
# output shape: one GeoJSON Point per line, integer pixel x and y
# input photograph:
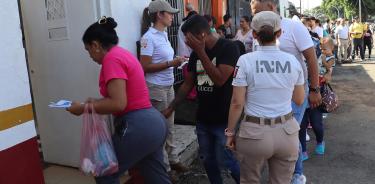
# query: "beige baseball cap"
{"type": "Point", "coordinates": [266, 18]}
{"type": "Point", "coordinates": [161, 5]}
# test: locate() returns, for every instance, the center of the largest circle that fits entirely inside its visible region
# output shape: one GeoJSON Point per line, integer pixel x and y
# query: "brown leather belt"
{"type": "Point", "coordinates": [269, 121]}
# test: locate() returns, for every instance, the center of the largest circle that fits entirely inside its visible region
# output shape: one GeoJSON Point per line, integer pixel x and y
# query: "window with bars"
{"type": "Point", "coordinates": [173, 34]}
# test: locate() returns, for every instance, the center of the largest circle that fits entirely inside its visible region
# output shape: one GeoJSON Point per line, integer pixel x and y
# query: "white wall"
{"type": "Point", "coordinates": [128, 15]}
{"type": "Point", "coordinates": [63, 69]}
{"type": "Point", "coordinates": [14, 82]}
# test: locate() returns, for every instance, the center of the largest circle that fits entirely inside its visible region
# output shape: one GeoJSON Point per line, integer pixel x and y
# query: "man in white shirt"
{"type": "Point", "coordinates": [296, 40]}
{"type": "Point", "coordinates": [182, 49]}
{"type": "Point", "coordinates": [342, 36]}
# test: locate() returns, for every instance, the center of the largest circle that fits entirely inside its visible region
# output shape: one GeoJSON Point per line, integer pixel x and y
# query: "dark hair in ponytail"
{"type": "Point", "coordinates": [266, 34]}
{"type": "Point", "coordinates": [147, 19]}
{"type": "Point", "coordinates": [102, 31]}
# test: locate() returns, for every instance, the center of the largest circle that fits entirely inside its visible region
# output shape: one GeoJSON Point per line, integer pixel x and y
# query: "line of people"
{"type": "Point", "coordinates": [351, 39]}
{"type": "Point", "coordinates": [251, 106]}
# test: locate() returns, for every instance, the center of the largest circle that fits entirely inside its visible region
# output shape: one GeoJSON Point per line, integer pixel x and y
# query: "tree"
{"type": "Point", "coordinates": [348, 7]}
{"type": "Point", "coordinates": [317, 12]}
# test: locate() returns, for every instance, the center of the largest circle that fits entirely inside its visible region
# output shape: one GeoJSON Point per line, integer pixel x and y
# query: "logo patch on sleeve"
{"type": "Point", "coordinates": [144, 43]}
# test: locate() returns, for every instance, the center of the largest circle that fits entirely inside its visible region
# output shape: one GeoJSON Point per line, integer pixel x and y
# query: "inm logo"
{"type": "Point", "coordinates": [272, 67]}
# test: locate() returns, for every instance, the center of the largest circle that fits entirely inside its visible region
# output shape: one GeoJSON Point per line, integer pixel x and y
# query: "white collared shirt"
{"type": "Point", "coordinates": [155, 43]}
{"type": "Point", "coordinates": [342, 31]}
{"type": "Point", "coordinates": [270, 76]}
{"type": "Point", "coordinates": [294, 39]}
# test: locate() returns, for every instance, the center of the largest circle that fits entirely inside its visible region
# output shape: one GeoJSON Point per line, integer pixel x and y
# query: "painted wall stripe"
{"type": "Point", "coordinates": [21, 164]}
{"type": "Point", "coordinates": [16, 135]}
{"type": "Point", "coordinates": [16, 116]}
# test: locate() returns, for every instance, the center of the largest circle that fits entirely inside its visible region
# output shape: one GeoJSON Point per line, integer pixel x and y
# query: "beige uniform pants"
{"type": "Point", "coordinates": [343, 46]}
{"type": "Point", "coordinates": [161, 97]}
{"type": "Point", "coordinates": [276, 144]}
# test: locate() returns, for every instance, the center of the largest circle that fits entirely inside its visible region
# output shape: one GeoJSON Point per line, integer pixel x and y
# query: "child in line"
{"type": "Point", "coordinates": [315, 116]}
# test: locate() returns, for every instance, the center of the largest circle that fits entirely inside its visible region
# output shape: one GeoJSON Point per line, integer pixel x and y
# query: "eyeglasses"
{"type": "Point", "coordinates": [102, 20]}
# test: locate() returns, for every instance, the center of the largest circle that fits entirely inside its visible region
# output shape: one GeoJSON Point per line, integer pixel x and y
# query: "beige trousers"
{"type": "Point", "coordinates": [161, 97]}
{"type": "Point", "coordinates": [343, 46]}
{"type": "Point", "coordinates": [275, 144]}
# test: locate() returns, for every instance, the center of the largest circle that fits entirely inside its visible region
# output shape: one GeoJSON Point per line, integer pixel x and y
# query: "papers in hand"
{"type": "Point", "coordinates": [183, 64]}
{"type": "Point", "coordinates": [60, 104]}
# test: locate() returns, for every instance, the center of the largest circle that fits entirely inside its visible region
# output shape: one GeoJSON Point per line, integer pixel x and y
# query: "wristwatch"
{"type": "Point", "coordinates": [314, 89]}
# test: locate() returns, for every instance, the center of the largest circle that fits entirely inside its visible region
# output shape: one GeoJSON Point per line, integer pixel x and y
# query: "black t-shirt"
{"type": "Point", "coordinates": [213, 101]}
{"type": "Point", "coordinates": [367, 37]}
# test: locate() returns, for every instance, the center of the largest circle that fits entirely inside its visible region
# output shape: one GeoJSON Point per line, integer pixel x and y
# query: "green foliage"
{"type": "Point", "coordinates": [317, 12]}
{"type": "Point", "coordinates": [348, 8]}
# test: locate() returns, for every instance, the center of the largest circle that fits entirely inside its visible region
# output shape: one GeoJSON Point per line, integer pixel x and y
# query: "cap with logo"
{"type": "Point", "coordinates": [266, 18]}
{"type": "Point", "coordinates": [161, 5]}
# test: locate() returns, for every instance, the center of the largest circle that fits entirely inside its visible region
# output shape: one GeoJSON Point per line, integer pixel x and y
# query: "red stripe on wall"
{"type": "Point", "coordinates": [21, 164]}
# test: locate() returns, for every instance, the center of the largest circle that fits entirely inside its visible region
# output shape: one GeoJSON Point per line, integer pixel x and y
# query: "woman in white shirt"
{"type": "Point", "coordinates": [265, 83]}
{"type": "Point", "coordinates": [245, 34]}
{"type": "Point", "coordinates": [157, 59]}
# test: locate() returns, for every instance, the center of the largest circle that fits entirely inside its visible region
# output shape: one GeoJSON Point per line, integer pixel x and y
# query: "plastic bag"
{"type": "Point", "coordinates": [97, 156]}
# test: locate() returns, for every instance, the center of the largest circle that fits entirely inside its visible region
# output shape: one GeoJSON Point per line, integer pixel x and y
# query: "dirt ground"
{"type": "Point", "coordinates": [349, 134]}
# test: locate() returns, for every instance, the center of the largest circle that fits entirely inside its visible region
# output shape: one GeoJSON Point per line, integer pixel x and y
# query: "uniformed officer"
{"type": "Point", "coordinates": [157, 59]}
{"type": "Point", "coordinates": [265, 83]}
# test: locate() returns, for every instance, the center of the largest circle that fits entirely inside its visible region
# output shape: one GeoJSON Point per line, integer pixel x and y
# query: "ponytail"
{"type": "Point", "coordinates": [146, 21]}
{"type": "Point", "coordinates": [266, 34]}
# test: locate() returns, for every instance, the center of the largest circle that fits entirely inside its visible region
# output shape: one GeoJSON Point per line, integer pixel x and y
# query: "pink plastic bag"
{"type": "Point", "coordinates": [193, 93]}
{"type": "Point", "coordinates": [97, 154]}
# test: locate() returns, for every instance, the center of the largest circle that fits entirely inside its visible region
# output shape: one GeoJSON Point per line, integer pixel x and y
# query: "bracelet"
{"type": "Point", "coordinates": [228, 133]}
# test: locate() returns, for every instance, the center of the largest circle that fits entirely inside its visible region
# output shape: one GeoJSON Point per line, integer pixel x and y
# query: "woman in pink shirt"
{"type": "Point", "coordinates": [140, 130]}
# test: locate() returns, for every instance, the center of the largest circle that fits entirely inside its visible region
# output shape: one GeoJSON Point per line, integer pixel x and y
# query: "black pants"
{"type": "Point", "coordinates": [369, 47]}
{"type": "Point", "coordinates": [358, 44]}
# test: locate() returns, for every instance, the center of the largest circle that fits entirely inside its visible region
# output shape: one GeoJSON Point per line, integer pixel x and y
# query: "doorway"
{"type": "Point", "coordinates": [59, 68]}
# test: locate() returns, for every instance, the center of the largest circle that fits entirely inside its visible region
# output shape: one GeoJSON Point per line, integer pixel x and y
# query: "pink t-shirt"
{"type": "Point", "coordinates": [119, 63]}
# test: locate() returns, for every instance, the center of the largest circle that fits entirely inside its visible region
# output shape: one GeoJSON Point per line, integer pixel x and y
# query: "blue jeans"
{"type": "Point", "coordinates": [298, 112]}
{"type": "Point", "coordinates": [213, 154]}
{"type": "Point", "coordinates": [315, 118]}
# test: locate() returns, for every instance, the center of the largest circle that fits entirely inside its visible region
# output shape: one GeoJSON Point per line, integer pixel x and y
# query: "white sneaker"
{"type": "Point", "coordinates": [307, 137]}
{"type": "Point", "coordinates": [325, 115]}
{"type": "Point", "coordinates": [298, 179]}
